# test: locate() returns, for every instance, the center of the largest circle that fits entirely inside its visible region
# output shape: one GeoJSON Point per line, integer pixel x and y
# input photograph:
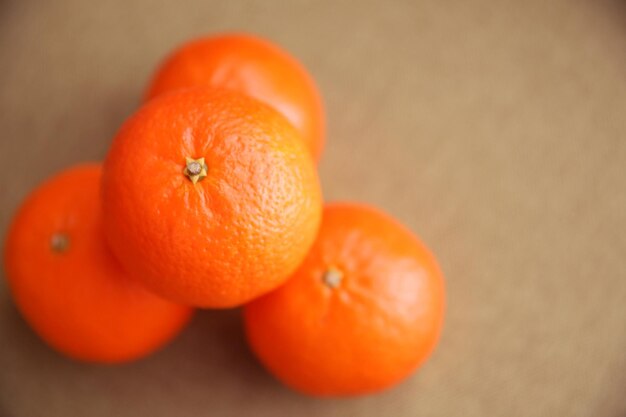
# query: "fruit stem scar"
{"type": "Point", "coordinates": [195, 169]}
{"type": "Point", "coordinates": [332, 277]}
{"type": "Point", "coordinates": [59, 242]}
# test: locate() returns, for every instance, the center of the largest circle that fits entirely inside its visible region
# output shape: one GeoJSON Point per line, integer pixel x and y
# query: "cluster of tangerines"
{"type": "Point", "coordinates": [209, 198]}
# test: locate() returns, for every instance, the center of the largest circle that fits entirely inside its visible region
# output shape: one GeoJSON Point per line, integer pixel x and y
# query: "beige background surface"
{"type": "Point", "coordinates": [495, 130]}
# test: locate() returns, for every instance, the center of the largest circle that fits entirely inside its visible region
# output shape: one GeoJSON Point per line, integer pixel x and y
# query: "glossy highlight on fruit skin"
{"type": "Point", "coordinates": [252, 66]}
{"type": "Point", "coordinates": [68, 286]}
{"type": "Point", "coordinates": [233, 235]}
{"type": "Point", "coordinates": [360, 314]}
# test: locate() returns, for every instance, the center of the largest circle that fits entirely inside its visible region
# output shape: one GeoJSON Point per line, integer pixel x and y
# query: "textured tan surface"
{"type": "Point", "coordinates": [495, 130]}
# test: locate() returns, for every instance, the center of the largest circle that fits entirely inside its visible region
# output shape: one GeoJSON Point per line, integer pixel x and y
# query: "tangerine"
{"type": "Point", "coordinates": [69, 287]}
{"type": "Point", "coordinates": [253, 66]}
{"type": "Point", "coordinates": [211, 198]}
{"type": "Point", "coordinates": [361, 313]}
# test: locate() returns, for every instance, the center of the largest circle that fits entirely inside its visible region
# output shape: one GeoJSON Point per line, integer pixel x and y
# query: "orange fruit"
{"type": "Point", "coordinates": [361, 313]}
{"type": "Point", "coordinates": [68, 286]}
{"type": "Point", "coordinates": [249, 65]}
{"type": "Point", "coordinates": [211, 198]}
